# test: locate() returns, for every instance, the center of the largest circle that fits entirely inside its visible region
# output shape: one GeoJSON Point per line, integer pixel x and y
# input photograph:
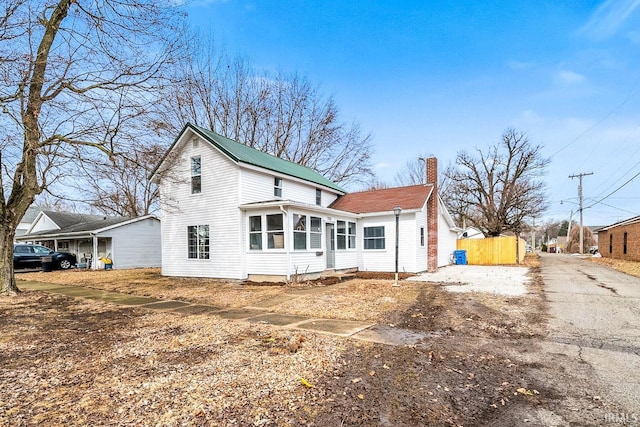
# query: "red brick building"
{"type": "Point", "coordinates": [621, 240]}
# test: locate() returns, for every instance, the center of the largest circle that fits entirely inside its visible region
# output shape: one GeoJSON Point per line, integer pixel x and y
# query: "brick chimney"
{"type": "Point", "coordinates": [432, 215]}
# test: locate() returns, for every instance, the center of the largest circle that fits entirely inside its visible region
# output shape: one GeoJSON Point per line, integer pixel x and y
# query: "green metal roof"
{"type": "Point", "coordinates": [248, 155]}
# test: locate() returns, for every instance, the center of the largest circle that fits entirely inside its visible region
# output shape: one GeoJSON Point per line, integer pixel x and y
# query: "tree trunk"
{"type": "Point", "coordinates": [7, 278]}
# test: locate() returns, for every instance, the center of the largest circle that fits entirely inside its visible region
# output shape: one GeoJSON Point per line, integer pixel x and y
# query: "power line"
{"type": "Point", "coordinates": [614, 191]}
{"type": "Point", "coordinates": [606, 116]}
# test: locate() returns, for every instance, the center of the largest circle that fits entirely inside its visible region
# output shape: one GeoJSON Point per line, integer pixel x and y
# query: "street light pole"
{"type": "Point", "coordinates": [396, 212]}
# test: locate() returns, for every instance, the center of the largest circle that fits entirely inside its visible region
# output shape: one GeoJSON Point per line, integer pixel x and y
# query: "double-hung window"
{"type": "Point", "coordinates": [346, 235]}
{"type": "Point", "coordinates": [275, 231]}
{"type": "Point", "coordinates": [318, 197]}
{"type": "Point", "coordinates": [255, 233]}
{"type": "Point", "coordinates": [421, 236]}
{"type": "Point", "coordinates": [315, 233]}
{"type": "Point", "coordinates": [299, 231]}
{"type": "Point", "coordinates": [341, 234]}
{"type": "Point", "coordinates": [277, 187]}
{"type": "Point", "coordinates": [351, 235]}
{"type": "Point", "coordinates": [198, 241]}
{"type": "Point", "coordinates": [374, 237]}
{"type": "Point", "coordinates": [196, 175]}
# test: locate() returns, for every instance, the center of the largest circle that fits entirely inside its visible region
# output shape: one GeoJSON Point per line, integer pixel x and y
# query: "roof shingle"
{"type": "Point", "coordinates": [411, 197]}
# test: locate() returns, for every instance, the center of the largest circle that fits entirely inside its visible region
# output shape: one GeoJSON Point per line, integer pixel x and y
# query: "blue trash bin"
{"type": "Point", "coordinates": [461, 257]}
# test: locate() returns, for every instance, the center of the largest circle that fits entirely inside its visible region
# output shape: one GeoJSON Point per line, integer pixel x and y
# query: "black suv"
{"type": "Point", "coordinates": [30, 256]}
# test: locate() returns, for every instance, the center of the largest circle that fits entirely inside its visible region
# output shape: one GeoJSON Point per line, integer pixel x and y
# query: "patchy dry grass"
{"type": "Point", "coordinates": [631, 268]}
{"type": "Point", "coordinates": [69, 361]}
{"type": "Point", "coordinates": [359, 299]}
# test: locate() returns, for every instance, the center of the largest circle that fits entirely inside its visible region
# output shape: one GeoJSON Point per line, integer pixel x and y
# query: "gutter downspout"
{"type": "Point", "coordinates": [287, 244]}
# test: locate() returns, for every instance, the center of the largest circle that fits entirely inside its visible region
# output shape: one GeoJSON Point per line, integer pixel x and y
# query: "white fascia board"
{"type": "Point", "coordinates": [387, 213]}
{"type": "Point", "coordinates": [294, 204]}
{"type": "Point", "coordinates": [120, 224]}
{"type": "Point", "coordinates": [35, 221]}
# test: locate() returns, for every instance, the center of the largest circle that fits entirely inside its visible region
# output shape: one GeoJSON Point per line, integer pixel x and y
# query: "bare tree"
{"type": "Point", "coordinates": [497, 189]}
{"type": "Point", "coordinates": [573, 240]}
{"type": "Point", "coordinates": [73, 76]}
{"type": "Point", "coordinates": [414, 172]}
{"type": "Point", "coordinates": [280, 114]}
{"type": "Point", "coordinates": [120, 186]}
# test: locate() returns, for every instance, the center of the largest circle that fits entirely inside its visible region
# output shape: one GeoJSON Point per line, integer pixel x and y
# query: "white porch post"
{"type": "Point", "coordinates": [94, 256]}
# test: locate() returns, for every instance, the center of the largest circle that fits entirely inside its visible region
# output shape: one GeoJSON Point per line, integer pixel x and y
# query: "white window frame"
{"type": "Point", "coordinates": [315, 234]}
{"type": "Point", "coordinates": [422, 237]}
{"type": "Point", "coordinates": [341, 235]}
{"type": "Point", "coordinates": [275, 236]}
{"type": "Point", "coordinates": [351, 234]}
{"type": "Point", "coordinates": [196, 174]}
{"type": "Point", "coordinates": [256, 232]}
{"type": "Point", "coordinates": [277, 186]}
{"type": "Point", "coordinates": [201, 244]}
{"type": "Point", "coordinates": [299, 232]}
{"type": "Point", "coordinates": [367, 240]}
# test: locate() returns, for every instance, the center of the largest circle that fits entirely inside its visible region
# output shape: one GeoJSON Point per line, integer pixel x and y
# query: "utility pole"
{"type": "Point", "coordinates": [579, 176]}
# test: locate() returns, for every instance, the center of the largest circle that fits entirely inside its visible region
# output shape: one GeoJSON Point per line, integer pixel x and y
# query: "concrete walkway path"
{"type": "Point", "coordinates": [259, 313]}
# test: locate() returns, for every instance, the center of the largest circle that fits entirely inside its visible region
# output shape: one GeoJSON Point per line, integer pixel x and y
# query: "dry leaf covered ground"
{"type": "Point", "coordinates": [66, 361]}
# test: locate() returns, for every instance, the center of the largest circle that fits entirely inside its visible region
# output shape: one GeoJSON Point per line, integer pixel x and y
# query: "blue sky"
{"type": "Point", "coordinates": [437, 77]}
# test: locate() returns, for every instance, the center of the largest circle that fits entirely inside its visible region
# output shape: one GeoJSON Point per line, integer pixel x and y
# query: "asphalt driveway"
{"type": "Point", "coordinates": [594, 327]}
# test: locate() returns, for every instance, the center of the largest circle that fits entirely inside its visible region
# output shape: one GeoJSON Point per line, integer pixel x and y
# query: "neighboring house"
{"type": "Point", "coordinates": [595, 229]}
{"type": "Point", "coordinates": [471, 233]}
{"type": "Point", "coordinates": [621, 240]}
{"type": "Point", "coordinates": [128, 242]}
{"type": "Point", "coordinates": [27, 220]}
{"type": "Point", "coordinates": [230, 211]}
{"type": "Point", "coordinates": [561, 244]}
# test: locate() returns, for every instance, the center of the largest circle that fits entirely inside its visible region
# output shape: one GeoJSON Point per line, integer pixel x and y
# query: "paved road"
{"type": "Point", "coordinates": [595, 322]}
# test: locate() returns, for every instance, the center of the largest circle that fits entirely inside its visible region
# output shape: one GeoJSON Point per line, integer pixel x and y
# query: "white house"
{"type": "Point", "coordinates": [27, 220]}
{"type": "Point", "coordinates": [470, 233]}
{"type": "Point", "coordinates": [230, 211]}
{"type": "Point", "coordinates": [128, 242]}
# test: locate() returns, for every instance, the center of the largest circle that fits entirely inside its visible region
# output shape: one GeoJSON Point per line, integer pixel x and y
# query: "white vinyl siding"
{"type": "Point", "coordinates": [259, 186]}
{"type": "Point", "coordinates": [134, 245]}
{"type": "Point", "coordinates": [447, 240]}
{"type": "Point", "coordinates": [219, 210]}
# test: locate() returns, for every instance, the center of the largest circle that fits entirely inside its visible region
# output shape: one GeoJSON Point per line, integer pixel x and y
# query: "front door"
{"type": "Point", "coordinates": [331, 246]}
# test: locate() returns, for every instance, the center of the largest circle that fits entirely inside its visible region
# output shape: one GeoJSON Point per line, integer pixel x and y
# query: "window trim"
{"type": "Point", "coordinates": [341, 236]}
{"type": "Point", "coordinates": [202, 248]}
{"type": "Point", "coordinates": [351, 237]}
{"type": "Point", "coordinates": [277, 186]}
{"type": "Point", "coordinates": [273, 232]}
{"type": "Point", "coordinates": [422, 235]}
{"type": "Point", "coordinates": [196, 174]}
{"type": "Point", "coordinates": [318, 197]}
{"type": "Point", "coordinates": [258, 232]}
{"type": "Point", "coordinates": [299, 230]}
{"type": "Point", "coordinates": [368, 239]}
{"type": "Point", "coordinates": [317, 233]}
